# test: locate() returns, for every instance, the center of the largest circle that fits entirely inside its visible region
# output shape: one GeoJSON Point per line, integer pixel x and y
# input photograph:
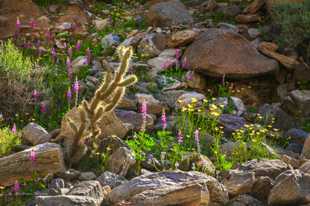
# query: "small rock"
{"type": "Point", "coordinates": [135, 119]}
{"type": "Point", "coordinates": [121, 161]}
{"type": "Point", "coordinates": [152, 44]}
{"type": "Point", "coordinates": [78, 64]}
{"type": "Point", "coordinates": [168, 13]}
{"type": "Point", "coordinates": [239, 182]}
{"type": "Point", "coordinates": [195, 80]}
{"type": "Point", "coordinates": [202, 163]}
{"type": "Point", "coordinates": [101, 24]}
{"type": "Point", "coordinates": [154, 106]}
{"type": "Point", "coordinates": [231, 122]}
{"type": "Point", "coordinates": [248, 18]}
{"type": "Point", "coordinates": [84, 176]}
{"type": "Point", "coordinates": [181, 38]}
{"type": "Point", "coordinates": [57, 183]}
{"type": "Point", "coordinates": [110, 40]}
{"type": "Point", "coordinates": [35, 134]}
{"type": "Point", "coordinates": [188, 97]}
{"type": "Point", "coordinates": [262, 187]}
{"type": "Point", "coordinates": [297, 136]}
{"type": "Point", "coordinates": [291, 188]}
{"type": "Point", "coordinates": [253, 33]}
{"type": "Point", "coordinates": [245, 200]}
{"type": "Point", "coordinates": [111, 179]}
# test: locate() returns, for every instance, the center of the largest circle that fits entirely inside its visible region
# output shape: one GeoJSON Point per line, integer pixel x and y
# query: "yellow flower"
{"type": "Point", "coordinates": [215, 114]}
{"type": "Point", "coordinates": [184, 109]}
{"type": "Point", "coordinates": [205, 101]}
{"type": "Point", "coordinates": [194, 100]}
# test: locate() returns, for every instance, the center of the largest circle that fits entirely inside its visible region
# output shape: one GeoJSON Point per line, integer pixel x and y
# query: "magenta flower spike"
{"type": "Point", "coordinates": [69, 95]}
{"type": "Point", "coordinates": [178, 54]}
{"type": "Point", "coordinates": [180, 137]}
{"type": "Point", "coordinates": [32, 24]}
{"type": "Point", "coordinates": [164, 119]}
{"type": "Point", "coordinates": [54, 54]}
{"type": "Point", "coordinates": [78, 45]}
{"type": "Point", "coordinates": [33, 156]}
{"type": "Point", "coordinates": [69, 68]}
{"type": "Point", "coordinates": [43, 108]}
{"type": "Point", "coordinates": [18, 24]}
{"type": "Point", "coordinates": [35, 95]}
{"type": "Point", "coordinates": [70, 52]}
{"type": "Point", "coordinates": [14, 129]}
{"type": "Point", "coordinates": [16, 187]}
{"type": "Point", "coordinates": [76, 86]}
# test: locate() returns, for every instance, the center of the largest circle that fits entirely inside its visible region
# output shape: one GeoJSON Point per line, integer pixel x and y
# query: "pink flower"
{"type": "Point", "coordinates": [48, 35]}
{"type": "Point", "coordinates": [18, 24]}
{"type": "Point", "coordinates": [54, 54]}
{"type": "Point", "coordinates": [69, 95]}
{"type": "Point", "coordinates": [43, 107]}
{"type": "Point", "coordinates": [35, 95]}
{"type": "Point", "coordinates": [69, 68]}
{"type": "Point", "coordinates": [33, 24]}
{"type": "Point", "coordinates": [16, 187]}
{"type": "Point", "coordinates": [78, 45]}
{"type": "Point", "coordinates": [76, 86]}
{"type": "Point", "coordinates": [33, 156]}
{"type": "Point", "coordinates": [190, 76]}
{"type": "Point", "coordinates": [164, 120]}
{"type": "Point", "coordinates": [180, 137]}
{"type": "Point", "coordinates": [178, 54]}
{"type": "Point", "coordinates": [14, 129]}
{"type": "Point", "coordinates": [143, 110]}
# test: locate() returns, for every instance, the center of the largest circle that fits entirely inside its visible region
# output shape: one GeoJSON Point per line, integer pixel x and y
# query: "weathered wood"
{"type": "Point", "coordinates": [49, 160]}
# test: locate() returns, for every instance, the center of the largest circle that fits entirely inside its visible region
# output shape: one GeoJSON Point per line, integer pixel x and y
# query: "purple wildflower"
{"type": "Point", "coordinates": [14, 129]}
{"type": "Point", "coordinates": [143, 110]}
{"type": "Point", "coordinates": [197, 139]}
{"type": "Point", "coordinates": [69, 95]}
{"type": "Point", "coordinates": [164, 119]}
{"type": "Point", "coordinates": [16, 187]}
{"type": "Point", "coordinates": [48, 35]}
{"type": "Point", "coordinates": [180, 137]}
{"type": "Point", "coordinates": [178, 54]}
{"type": "Point", "coordinates": [69, 68]}
{"type": "Point", "coordinates": [18, 24]}
{"type": "Point", "coordinates": [43, 107]}
{"type": "Point", "coordinates": [78, 45]}
{"type": "Point", "coordinates": [76, 86]}
{"type": "Point", "coordinates": [33, 156]}
{"type": "Point", "coordinates": [54, 54]}
{"type": "Point", "coordinates": [35, 95]}
{"type": "Point", "coordinates": [70, 52]}
{"type": "Point", "coordinates": [33, 24]}
{"type": "Point", "coordinates": [190, 76]}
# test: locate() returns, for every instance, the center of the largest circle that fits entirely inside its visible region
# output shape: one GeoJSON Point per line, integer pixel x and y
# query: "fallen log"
{"type": "Point", "coordinates": [48, 160]}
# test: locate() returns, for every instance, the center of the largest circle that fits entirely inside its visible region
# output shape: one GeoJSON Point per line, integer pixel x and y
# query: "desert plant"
{"type": "Point", "coordinates": [90, 113]}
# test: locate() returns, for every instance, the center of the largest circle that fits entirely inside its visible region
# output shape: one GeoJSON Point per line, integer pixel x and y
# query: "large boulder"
{"type": "Point", "coordinates": [171, 188]}
{"type": "Point", "coordinates": [35, 134]}
{"type": "Point", "coordinates": [291, 188]}
{"type": "Point", "coordinates": [219, 52]}
{"type": "Point", "coordinates": [168, 13]}
{"type": "Point", "coordinates": [10, 10]}
{"type": "Point", "coordinates": [298, 103]}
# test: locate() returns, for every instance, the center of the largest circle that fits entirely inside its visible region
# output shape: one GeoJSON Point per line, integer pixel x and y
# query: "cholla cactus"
{"type": "Point", "coordinates": [106, 98]}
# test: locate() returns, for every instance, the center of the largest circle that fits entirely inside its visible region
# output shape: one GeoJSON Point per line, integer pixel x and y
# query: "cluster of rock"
{"type": "Point", "coordinates": [222, 51]}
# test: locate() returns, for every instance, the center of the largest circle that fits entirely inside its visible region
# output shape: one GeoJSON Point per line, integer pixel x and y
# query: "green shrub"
{"type": "Point", "coordinates": [13, 63]}
{"type": "Point", "coordinates": [294, 21]}
{"type": "Point", "coordinates": [8, 141]}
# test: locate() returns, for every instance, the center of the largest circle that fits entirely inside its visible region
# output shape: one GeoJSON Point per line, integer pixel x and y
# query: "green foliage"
{"type": "Point", "coordinates": [162, 145]}
{"type": "Point", "coordinates": [250, 143]}
{"type": "Point", "coordinates": [13, 63]}
{"type": "Point", "coordinates": [294, 20]}
{"type": "Point", "coordinates": [8, 141]}
{"type": "Point", "coordinates": [174, 72]}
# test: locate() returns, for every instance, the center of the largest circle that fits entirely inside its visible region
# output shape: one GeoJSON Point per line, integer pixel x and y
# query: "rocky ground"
{"type": "Point", "coordinates": [183, 52]}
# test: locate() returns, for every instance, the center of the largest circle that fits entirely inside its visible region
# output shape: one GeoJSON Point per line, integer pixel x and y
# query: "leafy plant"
{"type": "Point", "coordinates": [13, 63]}
{"type": "Point", "coordinates": [8, 140]}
